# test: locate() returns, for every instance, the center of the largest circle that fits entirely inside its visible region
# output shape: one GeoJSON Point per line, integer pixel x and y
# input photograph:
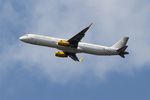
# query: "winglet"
{"type": "Point", "coordinates": [84, 30]}
{"type": "Point", "coordinates": [90, 25]}
{"type": "Point", "coordinates": [81, 59]}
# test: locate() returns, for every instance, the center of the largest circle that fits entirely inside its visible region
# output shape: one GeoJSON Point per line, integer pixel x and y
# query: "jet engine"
{"type": "Point", "coordinates": [64, 43]}
{"type": "Point", "coordinates": [60, 54]}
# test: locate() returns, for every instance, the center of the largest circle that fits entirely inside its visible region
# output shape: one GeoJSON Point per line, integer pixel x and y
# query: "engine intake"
{"type": "Point", "coordinates": [60, 54]}
{"type": "Point", "coordinates": [64, 43]}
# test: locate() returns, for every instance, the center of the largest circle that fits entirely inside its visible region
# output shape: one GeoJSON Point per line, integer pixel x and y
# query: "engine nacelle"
{"type": "Point", "coordinates": [64, 43]}
{"type": "Point", "coordinates": [60, 54]}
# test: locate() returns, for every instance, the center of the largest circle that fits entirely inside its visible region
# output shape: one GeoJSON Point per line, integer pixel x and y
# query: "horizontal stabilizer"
{"type": "Point", "coordinates": [122, 51]}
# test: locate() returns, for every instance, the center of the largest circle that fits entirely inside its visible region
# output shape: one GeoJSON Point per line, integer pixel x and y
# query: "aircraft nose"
{"type": "Point", "coordinates": [23, 38]}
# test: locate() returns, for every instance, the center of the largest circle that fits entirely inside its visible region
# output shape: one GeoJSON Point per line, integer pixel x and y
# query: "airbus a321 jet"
{"type": "Point", "coordinates": [70, 47]}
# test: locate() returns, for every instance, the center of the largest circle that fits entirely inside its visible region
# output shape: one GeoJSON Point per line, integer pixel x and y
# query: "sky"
{"type": "Point", "coordinates": [29, 72]}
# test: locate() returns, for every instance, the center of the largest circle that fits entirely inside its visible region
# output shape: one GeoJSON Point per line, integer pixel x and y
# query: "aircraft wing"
{"type": "Point", "coordinates": [73, 56]}
{"type": "Point", "coordinates": [77, 38]}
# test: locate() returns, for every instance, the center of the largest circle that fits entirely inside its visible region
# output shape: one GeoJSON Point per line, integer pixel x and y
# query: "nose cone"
{"type": "Point", "coordinates": [23, 38]}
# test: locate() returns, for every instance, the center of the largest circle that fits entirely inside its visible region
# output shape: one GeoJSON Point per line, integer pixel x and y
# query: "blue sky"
{"type": "Point", "coordinates": [30, 72]}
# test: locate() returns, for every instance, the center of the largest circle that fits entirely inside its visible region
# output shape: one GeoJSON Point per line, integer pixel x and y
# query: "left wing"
{"type": "Point", "coordinates": [73, 56]}
{"type": "Point", "coordinates": [77, 38]}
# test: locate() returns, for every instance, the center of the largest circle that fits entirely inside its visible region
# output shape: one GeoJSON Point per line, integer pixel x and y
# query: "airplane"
{"type": "Point", "coordinates": [70, 47]}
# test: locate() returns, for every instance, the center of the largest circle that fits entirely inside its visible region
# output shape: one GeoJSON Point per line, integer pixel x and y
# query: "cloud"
{"type": "Point", "coordinates": [112, 20]}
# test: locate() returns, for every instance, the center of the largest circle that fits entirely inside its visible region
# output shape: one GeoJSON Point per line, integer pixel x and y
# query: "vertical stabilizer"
{"type": "Point", "coordinates": [121, 43]}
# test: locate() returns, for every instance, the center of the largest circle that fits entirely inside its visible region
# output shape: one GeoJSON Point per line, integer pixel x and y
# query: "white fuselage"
{"type": "Point", "coordinates": [82, 47]}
